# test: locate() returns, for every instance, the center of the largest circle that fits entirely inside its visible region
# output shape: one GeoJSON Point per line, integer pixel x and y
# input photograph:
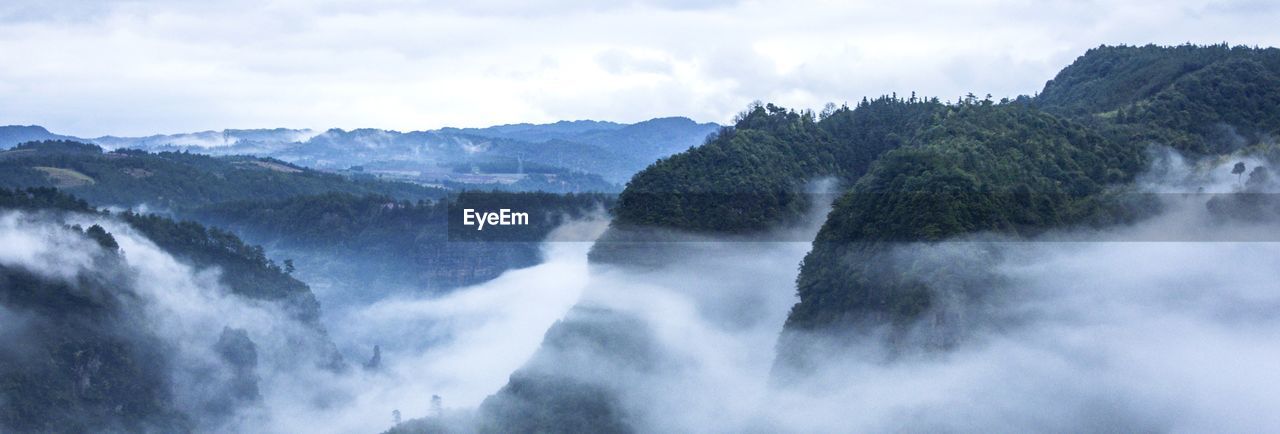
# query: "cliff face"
{"type": "Point", "coordinates": [1017, 170]}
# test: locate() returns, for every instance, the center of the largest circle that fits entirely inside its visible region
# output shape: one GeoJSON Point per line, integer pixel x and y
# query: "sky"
{"type": "Point", "coordinates": [91, 68]}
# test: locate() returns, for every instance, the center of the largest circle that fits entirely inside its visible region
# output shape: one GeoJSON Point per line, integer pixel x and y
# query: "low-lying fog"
{"type": "Point", "coordinates": [1113, 335]}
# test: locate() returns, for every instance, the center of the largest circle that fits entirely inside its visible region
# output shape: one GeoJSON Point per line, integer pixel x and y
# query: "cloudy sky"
{"type": "Point", "coordinates": [139, 67]}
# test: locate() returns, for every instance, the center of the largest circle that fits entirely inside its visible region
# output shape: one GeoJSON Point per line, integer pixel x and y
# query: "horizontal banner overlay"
{"type": "Point", "coordinates": [1015, 216]}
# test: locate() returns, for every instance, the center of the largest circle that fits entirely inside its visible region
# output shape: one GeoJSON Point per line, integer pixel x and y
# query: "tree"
{"type": "Point", "coordinates": [395, 416]}
{"type": "Point", "coordinates": [828, 110]}
{"type": "Point", "coordinates": [288, 266]}
{"type": "Point", "coordinates": [1238, 170]}
{"type": "Point", "coordinates": [104, 239]}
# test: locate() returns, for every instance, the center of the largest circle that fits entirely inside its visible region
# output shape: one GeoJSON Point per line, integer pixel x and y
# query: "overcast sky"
{"type": "Point", "coordinates": [139, 67]}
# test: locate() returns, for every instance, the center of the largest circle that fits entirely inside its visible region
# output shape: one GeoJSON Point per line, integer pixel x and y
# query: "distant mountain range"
{"type": "Point", "coordinates": [614, 151]}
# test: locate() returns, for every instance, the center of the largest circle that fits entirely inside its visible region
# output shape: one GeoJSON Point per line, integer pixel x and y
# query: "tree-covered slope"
{"type": "Point", "coordinates": [753, 176]}
{"type": "Point", "coordinates": [80, 350]}
{"type": "Point", "coordinates": [748, 177]}
{"type": "Point", "coordinates": [984, 167]}
{"type": "Point", "coordinates": [172, 180]}
{"type": "Point", "coordinates": [1106, 78]}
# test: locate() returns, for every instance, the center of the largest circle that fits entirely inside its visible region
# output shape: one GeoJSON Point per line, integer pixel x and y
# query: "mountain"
{"type": "Point", "coordinates": [11, 135]}
{"type": "Point", "coordinates": [913, 173]}
{"type": "Point", "coordinates": [566, 156]}
{"type": "Point", "coordinates": [621, 150]}
{"type": "Point", "coordinates": [753, 175]}
{"type": "Point", "coordinates": [536, 133]}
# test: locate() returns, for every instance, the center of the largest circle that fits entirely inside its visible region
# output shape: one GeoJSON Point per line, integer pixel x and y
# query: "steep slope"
{"type": "Point", "coordinates": [1106, 78]}
{"type": "Point", "coordinates": [84, 348]}
{"type": "Point", "coordinates": [1006, 169]}
{"type": "Point", "coordinates": [919, 173]}
{"type": "Point", "coordinates": [1014, 171]}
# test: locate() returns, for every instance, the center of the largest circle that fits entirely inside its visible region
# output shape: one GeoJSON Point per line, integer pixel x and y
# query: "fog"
{"type": "Point", "coordinates": [460, 346]}
{"type": "Point", "coordinates": [1093, 331]}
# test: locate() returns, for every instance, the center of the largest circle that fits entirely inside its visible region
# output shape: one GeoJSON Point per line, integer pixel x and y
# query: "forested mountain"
{"type": "Point", "coordinates": [12, 135]}
{"type": "Point", "coordinates": [916, 172]}
{"type": "Point", "coordinates": [752, 176]}
{"type": "Point", "coordinates": [763, 161]}
{"type": "Point", "coordinates": [87, 345]}
{"type": "Point", "coordinates": [173, 180]}
{"type": "Point", "coordinates": [1110, 77]}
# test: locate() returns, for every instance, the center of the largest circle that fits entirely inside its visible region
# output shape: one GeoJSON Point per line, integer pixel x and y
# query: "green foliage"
{"type": "Point", "coordinates": [1005, 168]}
{"type": "Point", "coordinates": [1110, 77]}
{"type": "Point", "coordinates": [104, 239]}
{"type": "Point", "coordinates": [749, 177]}
{"type": "Point", "coordinates": [59, 146]}
{"type": "Point", "coordinates": [1218, 109]}
{"type": "Point", "coordinates": [41, 199]}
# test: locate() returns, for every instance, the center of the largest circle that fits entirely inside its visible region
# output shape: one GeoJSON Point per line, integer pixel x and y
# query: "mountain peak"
{"type": "Point", "coordinates": [11, 135]}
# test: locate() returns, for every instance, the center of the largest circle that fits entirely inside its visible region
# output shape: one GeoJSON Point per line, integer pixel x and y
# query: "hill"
{"type": "Point", "coordinates": [173, 180]}
{"type": "Point", "coordinates": [12, 135]}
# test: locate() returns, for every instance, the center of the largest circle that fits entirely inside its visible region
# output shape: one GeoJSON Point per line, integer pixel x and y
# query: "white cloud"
{"type": "Point", "coordinates": [145, 67]}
